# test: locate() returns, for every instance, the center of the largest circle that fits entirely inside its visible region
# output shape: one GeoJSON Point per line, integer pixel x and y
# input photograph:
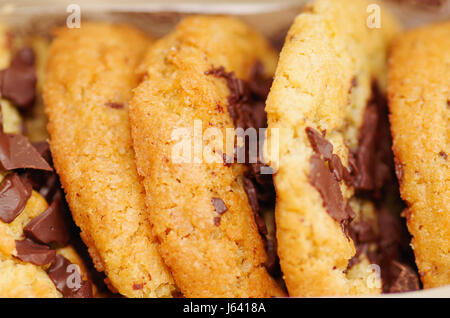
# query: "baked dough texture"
{"type": "Point", "coordinates": [206, 259]}
{"type": "Point", "coordinates": [90, 75]}
{"type": "Point", "coordinates": [324, 81]}
{"type": "Point", "coordinates": [419, 102]}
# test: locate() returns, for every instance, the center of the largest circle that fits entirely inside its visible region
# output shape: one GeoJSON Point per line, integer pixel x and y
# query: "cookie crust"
{"type": "Point", "coordinates": [90, 75]}
{"type": "Point", "coordinates": [207, 258]}
{"type": "Point", "coordinates": [419, 102]}
{"type": "Point", "coordinates": [323, 81]}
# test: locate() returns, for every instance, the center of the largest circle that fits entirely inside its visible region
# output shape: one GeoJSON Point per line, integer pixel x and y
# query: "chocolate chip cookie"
{"type": "Point", "coordinates": [90, 75]}
{"type": "Point", "coordinates": [199, 209]}
{"type": "Point", "coordinates": [419, 102]}
{"type": "Point", "coordinates": [334, 158]}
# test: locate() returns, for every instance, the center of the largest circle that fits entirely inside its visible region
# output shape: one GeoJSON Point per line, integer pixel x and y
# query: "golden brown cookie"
{"type": "Point", "coordinates": [419, 102]}
{"type": "Point", "coordinates": [199, 210]}
{"type": "Point", "coordinates": [323, 95]}
{"type": "Point", "coordinates": [90, 75]}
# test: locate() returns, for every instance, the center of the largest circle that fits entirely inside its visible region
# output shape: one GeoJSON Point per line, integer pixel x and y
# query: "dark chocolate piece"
{"type": "Point", "coordinates": [254, 204]}
{"type": "Point", "coordinates": [49, 227]}
{"type": "Point", "coordinates": [14, 194]}
{"type": "Point", "coordinates": [319, 144]}
{"type": "Point", "coordinates": [247, 98]}
{"type": "Point", "coordinates": [443, 154]}
{"type": "Point", "coordinates": [374, 157]}
{"type": "Point", "coordinates": [43, 148]}
{"type": "Point", "coordinates": [339, 171]}
{"type": "Point", "coordinates": [63, 277]}
{"type": "Point", "coordinates": [325, 148]}
{"type": "Point", "coordinates": [114, 105]}
{"type": "Point", "coordinates": [405, 278]}
{"type": "Point", "coordinates": [16, 152]}
{"type": "Point", "coordinates": [366, 150]}
{"type": "Point", "coordinates": [363, 235]}
{"type": "Point", "coordinates": [323, 180]}
{"type": "Point", "coordinates": [272, 262]}
{"type": "Point", "coordinates": [31, 252]}
{"type": "Point", "coordinates": [18, 81]}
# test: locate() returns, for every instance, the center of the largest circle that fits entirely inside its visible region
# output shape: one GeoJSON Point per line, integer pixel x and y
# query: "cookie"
{"type": "Point", "coordinates": [199, 209]}
{"type": "Point", "coordinates": [419, 102]}
{"type": "Point", "coordinates": [326, 106]}
{"type": "Point", "coordinates": [36, 241]}
{"type": "Point", "coordinates": [90, 75]}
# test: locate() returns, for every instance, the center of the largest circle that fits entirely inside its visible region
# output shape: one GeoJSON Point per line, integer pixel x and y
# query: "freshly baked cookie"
{"type": "Point", "coordinates": [37, 255]}
{"type": "Point", "coordinates": [199, 209]}
{"type": "Point", "coordinates": [419, 102]}
{"type": "Point", "coordinates": [325, 102]}
{"type": "Point", "coordinates": [90, 75]}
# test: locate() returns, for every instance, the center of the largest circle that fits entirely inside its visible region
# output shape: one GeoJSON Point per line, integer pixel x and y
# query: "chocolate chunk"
{"type": "Point", "coordinates": [43, 148]}
{"type": "Point", "coordinates": [405, 278]}
{"type": "Point", "coordinates": [363, 235]}
{"type": "Point", "coordinates": [50, 187]}
{"type": "Point", "coordinates": [339, 171]}
{"type": "Point", "coordinates": [17, 152]}
{"type": "Point", "coordinates": [114, 105]}
{"type": "Point", "coordinates": [138, 286]}
{"type": "Point", "coordinates": [49, 227]}
{"type": "Point", "coordinates": [219, 205]}
{"type": "Point", "coordinates": [254, 204]}
{"type": "Point", "coordinates": [393, 246]}
{"type": "Point", "coordinates": [18, 81]}
{"type": "Point", "coordinates": [259, 84]}
{"type": "Point", "coordinates": [374, 157]}
{"type": "Point", "coordinates": [362, 232]}
{"type": "Point", "coordinates": [66, 279]}
{"type": "Point", "coordinates": [272, 261]}
{"type": "Point", "coordinates": [247, 98]}
{"type": "Point", "coordinates": [366, 150]}
{"type": "Point", "coordinates": [319, 143]}
{"type": "Point", "coordinates": [325, 148]}
{"type": "Point", "coordinates": [323, 180]}
{"type": "Point", "coordinates": [443, 154]}
{"type": "Point", "coordinates": [14, 194]}
{"type": "Point", "coordinates": [31, 252]}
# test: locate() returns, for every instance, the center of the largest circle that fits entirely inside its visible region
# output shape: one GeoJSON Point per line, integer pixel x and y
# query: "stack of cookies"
{"type": "Point", "coordinates": [208, 164]}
